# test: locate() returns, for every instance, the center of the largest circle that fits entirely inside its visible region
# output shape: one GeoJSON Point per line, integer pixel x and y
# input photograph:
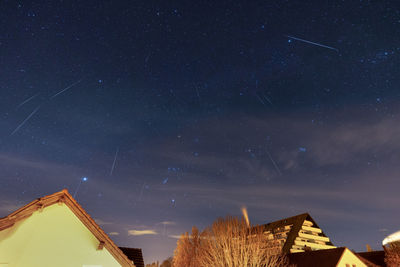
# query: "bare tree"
{"type": "Point", "coordinates": [392, 254]}
{"type": "Point", "coordinates": [229, 242]}
{"type": "Point", "coordinates": [167, 262]}
{"type": "Point", "coordinates": [187, 250]}
{"type": "Point", "coordinates": [154, 264]}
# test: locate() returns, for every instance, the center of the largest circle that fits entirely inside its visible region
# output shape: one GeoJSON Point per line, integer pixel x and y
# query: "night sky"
{"type": "Point", "coordinates": [161, 115]}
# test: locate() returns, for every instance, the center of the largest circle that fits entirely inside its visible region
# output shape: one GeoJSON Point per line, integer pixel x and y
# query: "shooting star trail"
{"type": "Point", "coordinates": [83, 179]}
{"type": "Point", "coordinates": [141, 192]}
{"type": "Point", "coordinates": [26, 119]}
{"type": "Point", "coordinates": [27, 100]}
{"type": "Point", "coordinates": [267, 99]}
{"type": "Point", "coordinates": [115, 160]}
{"type": "Point", "coordinates": [260, 99]}
{"type": "Point", "coordinates": [198, 95]}
{"type": "Point", "coordinates": [274, 163]}
{"type": "Point", "coordinates": [65, 89]}
{"type": "Point", "coordinates": [313, 43]}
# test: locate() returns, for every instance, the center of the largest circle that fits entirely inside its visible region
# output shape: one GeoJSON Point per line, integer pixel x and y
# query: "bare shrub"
{"type": "Point", "coordinates": [187, 249]}
{"type": "Point", "coordinates": [229, 242]}
{"type": "Point", "coordinates": [392, 255]}
{"type": "Point", "coordinates": [154, 264]}
{"type": "Point", "coordinates": [167, 262]}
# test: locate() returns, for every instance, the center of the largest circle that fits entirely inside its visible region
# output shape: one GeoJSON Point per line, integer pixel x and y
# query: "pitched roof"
{"type": "Point", "coordinates": [64, 197]}
{"type": "Point", "coordinates": [372, 258]}
{"type": "Point", "coordinates": [296, 223]}
{"type": "Point", "coordinates": [134, 254]}
{"type": "Point", "coordinates": [321, 258]}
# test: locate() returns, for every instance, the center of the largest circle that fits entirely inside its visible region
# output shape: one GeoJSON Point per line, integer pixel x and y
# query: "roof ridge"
{"type": "Point", "coordinates": [341, 255]}
{"type": "Point", "coordinates": [290, 218]}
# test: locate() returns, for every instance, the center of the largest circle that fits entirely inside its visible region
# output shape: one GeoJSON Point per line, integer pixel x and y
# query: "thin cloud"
{"type": "Point", "coordinates": [9, 160]}
{"type": "Point", "coordinates": [175, 236]}
{"type": "Point", "coordinates": [329, 202]}
{"type": "Point", "coordinates": [101, 222]}
{"type": "Point", "coordinates": [167, 223]}
{"type": "Point", "coordinates": [142, 232]}
{"type": "Point", "coordinates": [113, 233]}
{"type": "Point", "coordinates": [7, 207]}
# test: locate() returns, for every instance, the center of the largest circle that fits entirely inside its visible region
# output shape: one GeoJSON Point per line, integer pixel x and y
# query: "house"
{"type": "Point", "coordinates": [134, 254]}
{"type": "Point", "coordinates": [335, 257]}
{"type": "Point", "coordinates": [56, 231]}
{"type": "Point", "coordinates": [373, 258]}
{"type": "Point", "coordinates": [297, 234]}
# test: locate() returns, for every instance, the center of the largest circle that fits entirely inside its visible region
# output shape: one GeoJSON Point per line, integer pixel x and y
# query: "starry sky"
{"type": "Point", "coordinates": [161, 115]}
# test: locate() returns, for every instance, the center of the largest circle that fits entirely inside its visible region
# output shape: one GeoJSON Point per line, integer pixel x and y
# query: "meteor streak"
{"type": "Point", "coordinates": [27, 118]}
{"type": "Point", "coordinates": [26, 101]}
{"type": "Point", "coordinates": [274, 163]}
{"type": "Point", "coordinates": [115, 160]}
{"type": "Point", "coordinates": [65, 89]}
{"type": "Point", "coordinates": [313, 43]}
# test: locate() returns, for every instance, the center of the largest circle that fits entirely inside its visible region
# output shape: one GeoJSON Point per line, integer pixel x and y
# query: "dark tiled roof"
{"type": "Point", "coordinates": [134, 254]}
{"type": "Point", "coordinates": [321, 258]}
{"type": "Point", "coordinates": [297, 222]}
{"type": "Point", "coordinates": [377, 258]}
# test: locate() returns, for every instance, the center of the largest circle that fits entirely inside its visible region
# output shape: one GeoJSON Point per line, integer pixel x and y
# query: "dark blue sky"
{"type": "Point", "coordinates": [180, 112]}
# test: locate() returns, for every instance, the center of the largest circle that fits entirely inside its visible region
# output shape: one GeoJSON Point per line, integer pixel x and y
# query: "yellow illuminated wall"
{"type": "Point", "coordinates": [53, 237]}
{"type": "Point", "coordinates": [349, 258]}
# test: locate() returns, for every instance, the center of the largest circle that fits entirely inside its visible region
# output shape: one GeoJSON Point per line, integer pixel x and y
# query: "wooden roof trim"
{"type": "Point", "coordinates": [64, 197]}
{"type": "Point", "coordinates": [24, 212]}
{"type": "Point", "coordinates": [96, 230]}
